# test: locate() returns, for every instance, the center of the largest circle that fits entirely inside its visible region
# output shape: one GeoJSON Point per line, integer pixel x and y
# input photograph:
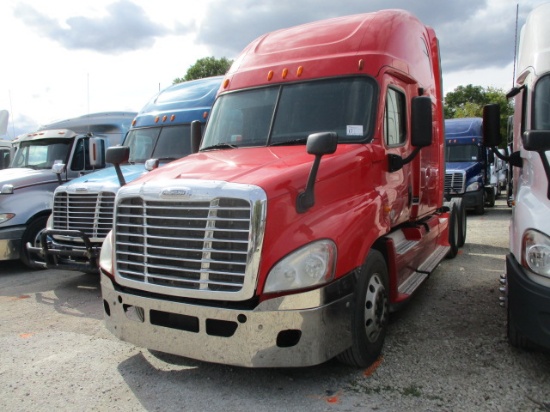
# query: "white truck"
{"type": "Point", "coordinates": [526, 282]}
{"type": "Point", "coordinates": [69, 148]}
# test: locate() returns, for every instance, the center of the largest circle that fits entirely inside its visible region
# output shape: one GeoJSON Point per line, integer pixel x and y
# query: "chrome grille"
{"type": "Point", "coordinates": [454, 182]}
{"type": "Point", "coordinates": [201, 245]}
{"type": "Point", "coordinates": [91, 213]}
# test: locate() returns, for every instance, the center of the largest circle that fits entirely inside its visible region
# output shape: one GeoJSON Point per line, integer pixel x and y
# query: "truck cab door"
{"type": "Point", "coordinates": [399, 189]}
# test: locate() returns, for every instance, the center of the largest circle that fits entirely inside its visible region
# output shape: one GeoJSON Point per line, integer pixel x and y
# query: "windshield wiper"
{"type": "Point", "coordinates": [302, 140]}
{"type": "Point", "coordinates": [219, 146]}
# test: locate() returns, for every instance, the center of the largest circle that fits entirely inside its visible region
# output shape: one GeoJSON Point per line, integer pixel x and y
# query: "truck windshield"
{"type": "Point", "coordinates": [462, 153]}
{"type": "Point", "coordinates": [42, 154]}
{"type": "Point", "coordinates": [288, 113]}
{"type": "Point", "coordinates": [169, 142]}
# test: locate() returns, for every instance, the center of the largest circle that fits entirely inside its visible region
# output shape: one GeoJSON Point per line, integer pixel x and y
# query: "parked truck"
{"type": "Point", "coordinates": [313, 208]}
{"type": "Point", "coordinates": [56, 153]}
{"type": "Point", "coordinates": [83, 208]}
{"type": "Point", "coordinates": [471, 171]}
{"type": "Point", "coordinates": [526, 282]}
{"type": "Point", "coordinates": [6, 152]}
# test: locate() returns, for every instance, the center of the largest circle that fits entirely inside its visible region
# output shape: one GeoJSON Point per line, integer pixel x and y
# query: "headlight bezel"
{"type": "Point", "coordinates": [535, 252]}
{"type": "Point", "coordinates": [291, 272]}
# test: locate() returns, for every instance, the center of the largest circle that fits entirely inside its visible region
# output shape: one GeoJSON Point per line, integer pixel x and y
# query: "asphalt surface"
{"type": "Point", "coordinates": [446, 350]}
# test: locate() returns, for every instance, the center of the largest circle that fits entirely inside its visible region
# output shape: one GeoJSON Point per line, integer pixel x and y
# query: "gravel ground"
{"type": "Point", "coordinates": [446, 350]}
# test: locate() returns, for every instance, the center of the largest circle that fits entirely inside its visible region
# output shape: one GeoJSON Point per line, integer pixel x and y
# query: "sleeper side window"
{"type": "Point", "coordinates": [395, 119]}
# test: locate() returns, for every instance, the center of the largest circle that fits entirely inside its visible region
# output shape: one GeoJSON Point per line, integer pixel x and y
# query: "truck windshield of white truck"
{"type": "Point", "coordinates": [42, 154]}
{"type": "Point", "coordinates": [288, 113]}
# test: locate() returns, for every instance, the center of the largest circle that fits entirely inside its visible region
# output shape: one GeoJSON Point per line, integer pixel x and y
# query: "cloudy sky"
{"type": "Point", "coordinates": [65, 58]}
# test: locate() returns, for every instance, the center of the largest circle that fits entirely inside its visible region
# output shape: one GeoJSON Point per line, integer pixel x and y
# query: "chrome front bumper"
{"type": "Point", "coordinates": [297, 330]}
{"type": "Point", "coordinates": [10, 242]}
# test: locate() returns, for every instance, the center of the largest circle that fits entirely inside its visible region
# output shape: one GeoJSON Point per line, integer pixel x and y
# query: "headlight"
{"type": "Point", "coordinates": [312, 265]}
{"type": "Point", "coordinates": [536, 252]}
{"type": "Point", "coordinates": [7, 189]}
{"type": "Point", "coordinates": [106, 254]}
{"type": "Point", "coordinates": [4, 217]}
{"type": "Point", "coordinates": [472, 187]}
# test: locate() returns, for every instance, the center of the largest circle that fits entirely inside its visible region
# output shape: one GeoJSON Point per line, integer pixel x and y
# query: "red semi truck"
{"type": "Point", "coordinates": [313, 208]}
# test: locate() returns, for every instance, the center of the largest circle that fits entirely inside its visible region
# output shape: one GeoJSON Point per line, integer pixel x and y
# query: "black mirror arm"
{"type": "Point", "coordinates": [306, 199]}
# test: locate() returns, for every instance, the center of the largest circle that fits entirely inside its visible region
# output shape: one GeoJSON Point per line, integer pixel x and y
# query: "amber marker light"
{"type": "Point", "coordinates": [361, 64]}
{"type": "Point", "coordinates": [270, 75]}
{"type": "Point", "coordinates": [134, 122]}
{"type": "Point", "coordinates": [285, 73]}
{"type": "Point", "coordinates": [225, 83]}
{"type": "Point", "coordinates": [299, 71]}
{"type": "Point", "coordinates": [173, 117]}
{"type": "Point", "coordinates": [205, 115]}
{"type": "Point", "coordinates": [157, 119]}
{"type": "Point", "coordinates": [164, 118]}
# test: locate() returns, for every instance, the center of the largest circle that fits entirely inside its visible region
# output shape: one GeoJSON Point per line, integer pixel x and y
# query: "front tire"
{"type": "Point", "coordinates": [32, 235]}
{"type": "Point", "coordinates": [369, 319]}
{"type": "Point", "coordinates": [462, 220]}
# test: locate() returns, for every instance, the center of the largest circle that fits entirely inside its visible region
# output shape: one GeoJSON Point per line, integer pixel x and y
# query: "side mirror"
{"type": "Point", "coordinates": [421, 121]}
{"type": "Point", "coordinates": [196, 135]}
{"type": "Point", "coordinates": [322, 143]}
{"type": "Point", "coordinates": [117, 155]}
{"type": "Point", "coordinates": [96, 151]}
{"type": "Point", "coordinates": [491, 125]}
{"type": "Point", "coordinates": [318, 144]}
{"type": "Point", "coordinates": [536, 140]}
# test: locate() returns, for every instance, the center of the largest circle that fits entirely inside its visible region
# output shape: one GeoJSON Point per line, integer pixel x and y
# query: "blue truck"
{"type": "Point", "coordinates": [470, 168]}
{"type": "Point", "coordinates": [82, 212]}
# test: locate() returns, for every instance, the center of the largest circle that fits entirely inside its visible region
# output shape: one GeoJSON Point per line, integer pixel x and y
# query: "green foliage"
{"type": "Point", "coordinates": [468, 101]}
{"type": "Point", "coordinates": [205, 67]}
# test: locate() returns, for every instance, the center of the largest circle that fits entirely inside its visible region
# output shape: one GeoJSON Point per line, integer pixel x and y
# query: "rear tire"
{"type": "Point", "coordinates": [32, 235]}
{"type": "Point", "coordinates": [369, 319]}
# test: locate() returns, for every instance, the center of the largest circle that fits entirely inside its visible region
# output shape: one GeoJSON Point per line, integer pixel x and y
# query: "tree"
{"type": "Point", "coordinates": [205, 67]}
{"type": "Point", "coordinates": [468, 101]}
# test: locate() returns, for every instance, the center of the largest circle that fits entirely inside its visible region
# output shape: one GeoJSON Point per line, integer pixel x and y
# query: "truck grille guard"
{"type": "Point", "coordinates": [190, 239]}
{"type": "Point", "coordinates": [455, 182]}
{"type": "Point", "coordinates": [81, 221]}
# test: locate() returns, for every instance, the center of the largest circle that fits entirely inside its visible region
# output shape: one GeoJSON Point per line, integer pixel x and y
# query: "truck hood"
{"type": "Point", "coordinates": [468, 167]}
{"type": "Point", "coordinates": [254, 166]}
{"type": "Point", "coordinates": [105, 179]}
{"type": "Point", "coordinates": [24, 177]}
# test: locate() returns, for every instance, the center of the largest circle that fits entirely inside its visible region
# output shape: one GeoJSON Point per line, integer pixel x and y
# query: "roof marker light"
{"type": "Point", "coordinates": [205, 115]}
{"type": "Point", "coordinates": [361, 64]}
{"type": "Point", "coordinates": [164, 118]}
{"type": "Point", "coordinates": [157, 119]}
{"type": "Point", "coordinates": [285, 73]}
{"type": "Point", "coordinates": [270, 75]}
{"type": "Point", "coordinates": [225, 83]}
{"type": "Point", "coordinates": [299, 71]}
{"type": "Point", "coordinates": [173, 117]}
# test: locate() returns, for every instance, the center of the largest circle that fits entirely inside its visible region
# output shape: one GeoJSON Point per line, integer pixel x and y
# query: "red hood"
{"type": "Point", "coordinates": [255, 166]}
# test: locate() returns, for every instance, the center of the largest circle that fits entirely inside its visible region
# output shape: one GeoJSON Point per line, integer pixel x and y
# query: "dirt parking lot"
{"type": "Point", "coordinates": [446, 351]}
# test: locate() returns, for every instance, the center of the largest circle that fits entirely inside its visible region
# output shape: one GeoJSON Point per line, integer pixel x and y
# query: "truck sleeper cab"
{"type": "Point", "coordinates": [72, 147]}
{"type": "Point", "coordinates": [526, 281]}
{"type": "Point", "coordinates": [314, 205]}
{"type": "Point", "coordinates": [83, 208]}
